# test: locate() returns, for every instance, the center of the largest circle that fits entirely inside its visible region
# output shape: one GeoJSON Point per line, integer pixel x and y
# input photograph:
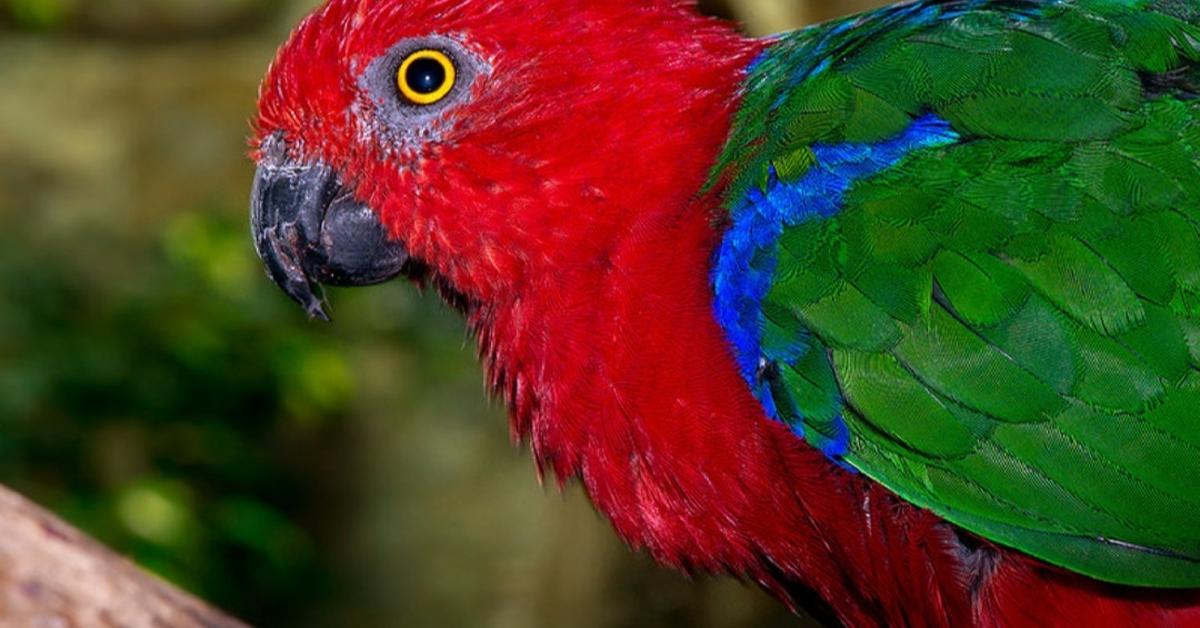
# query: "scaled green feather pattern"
{"type": "Point", "coordinates": [1007, 326]}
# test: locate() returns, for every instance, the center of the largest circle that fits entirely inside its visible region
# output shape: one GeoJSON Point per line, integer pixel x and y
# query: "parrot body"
{"type": "Point", "coordinates": [900, 311]}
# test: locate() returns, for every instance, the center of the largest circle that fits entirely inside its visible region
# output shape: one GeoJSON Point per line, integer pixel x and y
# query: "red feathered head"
{"type": "Point", "coordinates": [496, 142]}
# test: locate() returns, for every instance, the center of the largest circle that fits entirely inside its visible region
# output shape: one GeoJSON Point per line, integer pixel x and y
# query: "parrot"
{"type": "Point", "coordinates": [895, 316]}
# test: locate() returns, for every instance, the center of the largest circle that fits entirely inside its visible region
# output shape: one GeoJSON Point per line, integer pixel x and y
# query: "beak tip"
{"type": "Point", "coordinates": [313, 302]}
{"type": "Point", "coordinates": [318, 313]}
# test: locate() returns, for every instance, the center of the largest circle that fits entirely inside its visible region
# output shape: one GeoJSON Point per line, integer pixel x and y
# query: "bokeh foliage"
{"type": "Point", "coordinates": [156, 390]}
{"type": "Point", "coordinates": [167, 410]}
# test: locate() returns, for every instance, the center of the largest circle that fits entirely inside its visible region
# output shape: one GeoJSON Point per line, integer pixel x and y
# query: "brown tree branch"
{"type": "Point", "coordinates": [52, 575]}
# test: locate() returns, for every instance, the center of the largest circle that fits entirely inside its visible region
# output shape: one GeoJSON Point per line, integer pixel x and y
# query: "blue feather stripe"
{"type": "Point", "coordinates": [745, 262]}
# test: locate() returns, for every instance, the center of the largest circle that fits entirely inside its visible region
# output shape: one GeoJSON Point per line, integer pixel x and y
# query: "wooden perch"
{"type": "Point", "coordinates": [53, 576]}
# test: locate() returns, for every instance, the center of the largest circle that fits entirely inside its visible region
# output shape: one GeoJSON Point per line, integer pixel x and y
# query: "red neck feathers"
{"type": "Point", "coordinates": [607, 351]}
{"type": "Point", "coordinates": [617, 373]}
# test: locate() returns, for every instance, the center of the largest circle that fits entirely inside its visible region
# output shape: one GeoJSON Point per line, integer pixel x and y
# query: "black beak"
{"type": "Point", "coordinates": [310, 230]}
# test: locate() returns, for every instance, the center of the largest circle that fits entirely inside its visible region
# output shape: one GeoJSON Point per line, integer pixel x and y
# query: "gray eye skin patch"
{"type": "Point", "coordinates": [387, 115]}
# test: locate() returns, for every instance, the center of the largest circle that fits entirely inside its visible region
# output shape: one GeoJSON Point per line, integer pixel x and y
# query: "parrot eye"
{"type": "Point", "coordinates": [426, 76]}
{"type": "Point", "coordinates": [410, 88]}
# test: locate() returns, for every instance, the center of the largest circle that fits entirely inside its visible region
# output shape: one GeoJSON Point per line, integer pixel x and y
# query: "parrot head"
{"type": "Point", "coordinates": [485, 144]}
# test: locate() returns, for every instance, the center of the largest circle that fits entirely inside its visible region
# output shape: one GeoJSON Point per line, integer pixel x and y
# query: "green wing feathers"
{"type": "Point", "coordinates": [1007, 325]}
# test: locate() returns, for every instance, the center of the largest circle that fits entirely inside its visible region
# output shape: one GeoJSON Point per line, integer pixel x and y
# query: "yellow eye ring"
{"type": "Point", "coordinates": [426, 76]}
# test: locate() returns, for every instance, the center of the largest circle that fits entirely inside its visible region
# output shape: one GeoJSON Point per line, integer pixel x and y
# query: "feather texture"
{"type": "Point", "coordinates": [963, 260]}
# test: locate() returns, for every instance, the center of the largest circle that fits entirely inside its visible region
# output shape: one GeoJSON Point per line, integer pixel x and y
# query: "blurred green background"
{"type": "Point", "coordinates": [159, 392]}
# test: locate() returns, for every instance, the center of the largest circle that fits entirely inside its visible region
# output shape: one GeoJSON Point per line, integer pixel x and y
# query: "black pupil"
{"type": "Point", "coordinates": [425, 76]}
